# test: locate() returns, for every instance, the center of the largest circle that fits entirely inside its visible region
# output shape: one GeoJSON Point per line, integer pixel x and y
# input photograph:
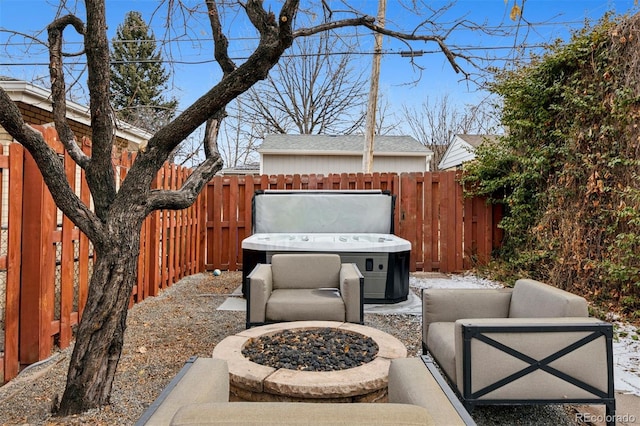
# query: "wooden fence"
{"type": "Point", "coordinates": [46, 262]}
{"type": "Point", "coordinates": [448, 232]}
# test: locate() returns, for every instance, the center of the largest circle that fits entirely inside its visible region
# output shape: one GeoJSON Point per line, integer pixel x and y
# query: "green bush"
{"type": "Point", "coordinates": [568, 170]}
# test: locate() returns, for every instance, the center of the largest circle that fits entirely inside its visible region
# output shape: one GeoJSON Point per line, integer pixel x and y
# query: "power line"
{"type": "Point", "coordinates": [182, 39]}
{"type": "Point", "coordinates": [388, 52]}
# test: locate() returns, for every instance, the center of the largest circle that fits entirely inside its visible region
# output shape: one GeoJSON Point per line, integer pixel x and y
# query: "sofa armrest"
{"type": "Point", "coordinates": [189, 387]}
{"type": "Point", "coordinates": [352, 292]}
{"type": "Point", "coordinates": [260, 286]}
{"type": "Point", "coordinates": [534, 359]}
{"type": "Point", "coordinates": [449, 305]}
{"type": "Point", "coordinates": [411, 382]}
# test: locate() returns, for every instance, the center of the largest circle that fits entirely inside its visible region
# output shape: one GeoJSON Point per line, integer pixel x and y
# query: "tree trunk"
{"type": "Point", "coordinates": [100, 334]}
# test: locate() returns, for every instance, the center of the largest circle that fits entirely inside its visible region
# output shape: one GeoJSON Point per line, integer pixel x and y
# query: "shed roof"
{"type": "Point", "coordinates": [341, 145]}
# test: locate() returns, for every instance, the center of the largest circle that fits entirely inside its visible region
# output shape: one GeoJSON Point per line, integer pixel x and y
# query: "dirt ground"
{"type": "Point", "coordinates": [163, 332]}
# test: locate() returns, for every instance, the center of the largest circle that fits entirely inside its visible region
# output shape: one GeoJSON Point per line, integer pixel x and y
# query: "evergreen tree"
{"type": "Point", "coordinates": [138, 77]}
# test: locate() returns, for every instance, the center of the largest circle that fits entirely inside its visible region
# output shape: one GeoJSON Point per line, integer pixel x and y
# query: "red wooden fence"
{"type": "Point", "coordinates": [447, 231]}
{"type": "Point", "coordinates": [46, 262]}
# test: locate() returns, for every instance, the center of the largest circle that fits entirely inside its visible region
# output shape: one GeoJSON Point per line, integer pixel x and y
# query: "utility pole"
{"type": "Point", "coordinates": [370, 130]}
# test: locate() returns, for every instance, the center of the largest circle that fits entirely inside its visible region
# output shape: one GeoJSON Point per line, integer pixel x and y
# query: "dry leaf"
{"type": "Point", "coordinates": [515, 12]}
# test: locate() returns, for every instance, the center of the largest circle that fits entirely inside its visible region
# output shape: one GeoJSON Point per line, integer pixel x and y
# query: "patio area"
{"type": "Point", "coordinates": [164, 331]}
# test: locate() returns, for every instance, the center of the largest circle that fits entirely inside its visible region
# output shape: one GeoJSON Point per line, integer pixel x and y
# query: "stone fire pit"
{"type": "Point", "coordinates": [250, 381]}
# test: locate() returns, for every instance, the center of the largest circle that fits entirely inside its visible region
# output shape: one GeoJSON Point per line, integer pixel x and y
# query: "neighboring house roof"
{"type": "Point", "coordinates": [27, 93]}
{"type": "Point", "coordinates": [341, 145]}
{"type": "Point", "coordinates": [475, 140]}
{"type": "Point", "coordinates": [243, 169]}
{"type": "Point", "coordinates": [462, 149]}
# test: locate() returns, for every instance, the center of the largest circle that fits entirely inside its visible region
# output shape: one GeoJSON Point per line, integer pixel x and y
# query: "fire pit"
{"type": "Point", "coordinates": [313, 349]}
{"type": "Point", "coordinates": [366, 382]}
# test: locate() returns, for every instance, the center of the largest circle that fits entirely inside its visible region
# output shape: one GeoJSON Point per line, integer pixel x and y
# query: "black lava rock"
{"type": "Point", "coordinates": [317, 349]}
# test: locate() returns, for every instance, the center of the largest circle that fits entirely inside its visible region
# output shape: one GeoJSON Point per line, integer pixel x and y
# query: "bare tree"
{"type": "Point", "coordinates": [386, 121]}
{"type": "Point", "coordinates": [114, 223]}
{"type": "Point", "coordinates": [436, 121]}
{"type": "Point", "coordinates": [309, 91]}
{"type": "Point", "coordinates": [240, 137]}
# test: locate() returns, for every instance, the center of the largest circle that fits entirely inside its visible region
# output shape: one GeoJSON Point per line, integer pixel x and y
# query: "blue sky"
{"type": "Point", "coordinates": [400, 82]}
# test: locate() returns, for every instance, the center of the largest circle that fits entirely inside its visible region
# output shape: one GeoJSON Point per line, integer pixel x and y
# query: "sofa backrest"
{"type": "Point", "coordinates": [305, 270]}
{"type": "Point", "coordinates": [533, 299]}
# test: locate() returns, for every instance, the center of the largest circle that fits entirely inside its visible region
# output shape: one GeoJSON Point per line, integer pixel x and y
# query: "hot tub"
{"type": "Point", "coordinates": [357, 225]}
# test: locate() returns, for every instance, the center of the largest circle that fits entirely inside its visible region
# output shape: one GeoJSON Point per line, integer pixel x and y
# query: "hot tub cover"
{"type": "Point", "coordinates": [369, 212]}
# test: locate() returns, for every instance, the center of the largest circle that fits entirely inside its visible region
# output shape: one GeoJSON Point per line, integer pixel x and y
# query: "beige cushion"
{"type": "Point", "coordinates": [305, 270]}
{"type": "Point", "coordinates": [300, 413]}
{"type": "Point", "coordinates": [410, 382]}
{"type": "Point", "coordinates": [448, 305]}
{"type": "Point", "coordinates": [442, 347]}
{"type": "Point", "coordinates": [533, 299]}
{"type": "Point", "coordinates": [350, 290]}
{"type": "Point", "coordinates": [206, 380]}
{"type": "Point", "coordinates": [260, 288]}
{"type": "Point", "coordinates": [303, 304]}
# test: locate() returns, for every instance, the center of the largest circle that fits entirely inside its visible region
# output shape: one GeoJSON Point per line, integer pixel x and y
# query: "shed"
{"type": "Point", "coordinates": [325, 154]}
{"type": "Point", "coordinates": [461, 149]}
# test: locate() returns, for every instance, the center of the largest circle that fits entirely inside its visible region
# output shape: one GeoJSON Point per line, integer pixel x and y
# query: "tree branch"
{"type": "Point", "coordinates": [221, 43]}
{"type": "Point", "coordinates": [58, 89]}
{"type": "Point", "coordinates": [100, 173]}
{"type": "Point", "coordinates": [51, 168]}
{"type": "Point", "coordinates": [369, 22]}
{"type": "Point", "coordinates": [327, 26]}
{"type": "Point", "coordinates": [275, 38]}
{"type": "Point", "coordinates": [273, 42]}
{"type": "Point", "coordinates": [188, 193]}
{"type": "Point", "coordinates": [450, 55]}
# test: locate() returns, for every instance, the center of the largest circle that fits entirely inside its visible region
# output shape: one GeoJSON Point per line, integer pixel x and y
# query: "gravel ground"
{"type": "Point", "coordinates": [163, 332]}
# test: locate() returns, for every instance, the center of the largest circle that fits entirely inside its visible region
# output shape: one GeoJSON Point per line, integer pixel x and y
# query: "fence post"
{"type": "Point", "coordinates": [38, 266]}
{"type": "Point", "coordinates": [153, 245]}
{"type": "Point", "coordinates": [202, 228]}
{"type": "Point", "coordinates": [12, 307]}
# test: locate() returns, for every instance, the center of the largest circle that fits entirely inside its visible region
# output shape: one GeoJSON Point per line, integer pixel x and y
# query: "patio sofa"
{"type": "Point", "coordinates": [199, 394]}
{"type": "Point", "coordinates": [533, 344]}
{"type": "Point", "coordinates": [299, 286]}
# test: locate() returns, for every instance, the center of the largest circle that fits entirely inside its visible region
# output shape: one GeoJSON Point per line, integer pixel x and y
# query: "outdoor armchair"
{"type": "Point", "coordinates": [533, 344]}
{"type": "Point", "coordinates": [298, 287]}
